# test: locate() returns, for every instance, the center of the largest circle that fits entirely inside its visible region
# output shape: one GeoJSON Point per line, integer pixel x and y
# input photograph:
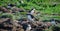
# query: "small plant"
{"type": "Point", "coordinates": [6, 15]}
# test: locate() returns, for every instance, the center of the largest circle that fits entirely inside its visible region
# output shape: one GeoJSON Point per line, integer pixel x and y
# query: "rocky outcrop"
{"type": "Point", "coordinates": [9, 25]}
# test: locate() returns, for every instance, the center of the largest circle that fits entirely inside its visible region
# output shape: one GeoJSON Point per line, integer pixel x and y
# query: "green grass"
{"type": "Point", "coordinates": [40, 5]}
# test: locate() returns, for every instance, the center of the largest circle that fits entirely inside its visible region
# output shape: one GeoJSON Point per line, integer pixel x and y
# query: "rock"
{"type": "Point", "coordinates": [9, 25]}
{"type": "Point", "coordinates": [4, 10]}
{"type": "Point", "coordinates": [15, 9]}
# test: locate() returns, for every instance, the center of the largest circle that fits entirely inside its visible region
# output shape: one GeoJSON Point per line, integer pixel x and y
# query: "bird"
{"type": "Point", "coordinates": [30, 15]}
{"type": "Point", "coordinates": [53, 22]}
{"type": "Point", "coordinates": [28, 28]}
{"type": "Point", "coordinates": [10, 6]}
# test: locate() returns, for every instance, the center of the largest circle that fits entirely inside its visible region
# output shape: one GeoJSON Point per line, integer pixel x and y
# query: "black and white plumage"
{"type": "Point", "coordinates": [53, 22]}
{"type": "Point", "coordinates": [28, 28]}
{"type": "Point", "coordinates": [32, 11]}
{"type": "Point", "coordinates": [10, 5]}
{"type": "Point", "coordinates": [30, 15]}
{"type": "Point", "coordinates": [24, 26]}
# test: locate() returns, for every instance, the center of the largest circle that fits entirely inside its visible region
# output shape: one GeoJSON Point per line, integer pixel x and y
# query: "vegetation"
{"type": "Point", "coordinates": [43, 6]}
{"type": "Point", "coordinates": [48, 9]}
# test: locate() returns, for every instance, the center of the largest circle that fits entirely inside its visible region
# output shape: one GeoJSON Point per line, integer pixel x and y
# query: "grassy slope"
{"type": "Point", "coordinates": [40, 5]}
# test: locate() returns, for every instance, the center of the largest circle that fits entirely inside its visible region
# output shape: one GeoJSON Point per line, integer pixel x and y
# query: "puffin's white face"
{"type": "Point", "coordinates": [32, 12]}
{"type": "Point", "coordinates": [33, 9]}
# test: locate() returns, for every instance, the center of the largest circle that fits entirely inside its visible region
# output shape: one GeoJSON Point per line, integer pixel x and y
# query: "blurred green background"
{"type": "Point", "coordinates": [48, 7]}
